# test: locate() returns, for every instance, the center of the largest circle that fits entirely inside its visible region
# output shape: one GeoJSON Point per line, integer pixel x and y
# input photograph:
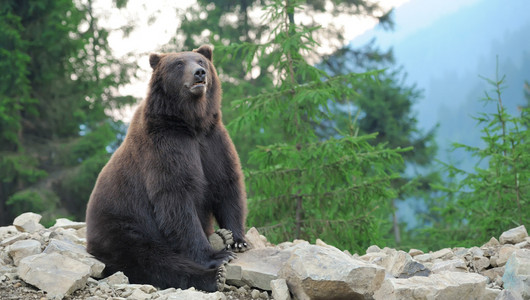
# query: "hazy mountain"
{"type": "Point", "coordinates": [444, 46]}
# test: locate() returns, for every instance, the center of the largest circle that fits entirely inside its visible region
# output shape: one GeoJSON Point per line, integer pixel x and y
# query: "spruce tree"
{"type": "Point", "coordinates": [57, 88]}
{"type": "Point", "coordinates": [476, 205]}
{"type": "Point", "coordinates": [305, 186]}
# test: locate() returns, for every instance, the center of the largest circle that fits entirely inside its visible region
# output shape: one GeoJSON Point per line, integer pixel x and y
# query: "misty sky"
{"type": "Point", "coordinates": [149, 36]}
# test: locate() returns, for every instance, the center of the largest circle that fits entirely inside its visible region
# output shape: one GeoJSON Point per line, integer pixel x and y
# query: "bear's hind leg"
{"type": "Point", "coordinates": [139, 251]}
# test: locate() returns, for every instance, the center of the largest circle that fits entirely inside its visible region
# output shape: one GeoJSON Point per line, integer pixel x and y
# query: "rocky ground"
{"type": "Point", "coordinates": [52, 263]}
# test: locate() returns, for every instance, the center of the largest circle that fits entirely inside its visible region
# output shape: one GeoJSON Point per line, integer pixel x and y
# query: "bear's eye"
{"type": "Point", "coordinates": [179, 64]}
{"type": "Point", "coordinates": [201, 63]}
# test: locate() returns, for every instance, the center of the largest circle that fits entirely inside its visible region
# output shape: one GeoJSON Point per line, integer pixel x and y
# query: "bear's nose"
{"type": "Point", "coordinates": [200, 74]}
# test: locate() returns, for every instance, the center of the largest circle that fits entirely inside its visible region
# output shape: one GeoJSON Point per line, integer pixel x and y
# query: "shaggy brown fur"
{"type": "Point", "coordinates": [153, 204]}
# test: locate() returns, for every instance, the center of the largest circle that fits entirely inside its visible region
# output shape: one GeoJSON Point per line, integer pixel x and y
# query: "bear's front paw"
{"type": "Point", "coordinates": [239, 246]}
{"type": "Point", "coordinates": [221, 239]}
{"type": "Point", "coordinates": [221, 277]}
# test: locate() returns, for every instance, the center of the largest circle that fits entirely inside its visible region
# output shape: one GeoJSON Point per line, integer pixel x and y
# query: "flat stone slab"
{"type": "Point", "coordinates": [256, 267]}
{"type": "Point", "coordinates": [24, 248]}
{"type": "Point", "coordinates": [449, 285]}
{"type": "Point", "coordinates": [56, 274]}
{"type": "Point", "coordinates": [66, 224]}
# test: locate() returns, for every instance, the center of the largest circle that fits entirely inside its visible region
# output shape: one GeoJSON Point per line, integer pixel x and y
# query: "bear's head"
{"type": "Point", "coordinates": [184, 81]}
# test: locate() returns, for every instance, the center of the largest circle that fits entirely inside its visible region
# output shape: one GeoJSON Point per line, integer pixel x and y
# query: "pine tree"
{"type": "Point", "coordinates": [224, 22]}
{"type": "Point", "coordinates": [335, 188]}
{"type": "Point", "coordinates": [59, 82]}
{"type": "Point", "coordinates": [474, 206]}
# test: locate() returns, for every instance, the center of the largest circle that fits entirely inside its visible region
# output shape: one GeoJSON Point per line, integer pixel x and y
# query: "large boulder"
{"type": "Point", "coordinates": [28, 222]}
{"type": "Point", "coordinates": [256, 267]}
{"type": "Point", "coordinates": [21, 249]}
{"type": "Point", "coordinates": [54, 273]}
{"type": "Point", "coordinates": [77, 252]}
{"type": "Point", "coordinates": [315, 272]}
{"type": "Point", "coordinates": [514, 235]}
{"type": "Point", "coordinates": [516, 276]}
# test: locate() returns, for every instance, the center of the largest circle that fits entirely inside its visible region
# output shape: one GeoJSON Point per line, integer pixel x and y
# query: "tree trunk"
{"type": "Point", "coordinates": [397, 235]}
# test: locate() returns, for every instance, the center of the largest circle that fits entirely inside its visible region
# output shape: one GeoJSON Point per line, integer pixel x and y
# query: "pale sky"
{"type": "Point", "coordinates": [150, 35]}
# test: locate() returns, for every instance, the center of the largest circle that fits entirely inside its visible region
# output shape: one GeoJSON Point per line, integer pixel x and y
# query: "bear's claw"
{"type": "Point", "coordinates": [221, 239]}
{"type": "Point", "coordinates": [221, 277]}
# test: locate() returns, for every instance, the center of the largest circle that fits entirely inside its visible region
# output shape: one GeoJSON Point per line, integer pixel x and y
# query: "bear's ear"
{"type": "Point", "coordinates": [206, 51]}
{"type": "Point", "coordinates": [154, 59]}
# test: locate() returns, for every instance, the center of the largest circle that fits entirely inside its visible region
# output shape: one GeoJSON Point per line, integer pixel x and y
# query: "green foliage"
{"type": "Point", "coordinates": [41, 200]}
{"type": "Point", "coordinates": [337, 188]}
{"type": "Point", "coordinates": [57, 85]}
{"type": "Point", "coordinates": [238, 24]}
{"type": "Point", "coordinates": [474, 206]}
{"type": "Point", "coordinates": [383, 105]}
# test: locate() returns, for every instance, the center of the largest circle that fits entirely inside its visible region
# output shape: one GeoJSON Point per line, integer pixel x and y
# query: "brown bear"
{"type": "Point", "coordinates": [153, 204]}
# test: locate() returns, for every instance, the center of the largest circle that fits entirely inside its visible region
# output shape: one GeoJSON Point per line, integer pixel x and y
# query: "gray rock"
{"type": "Point", "coordinates": [66, 224]}
{"type": "Point", "coordinates": [21, 249]}
{"type": "Point", "coordinates": [449, 285]}
{"type": "Point", "coordinates": [28, 222]}
{"type": "Point", "coordinates": [445, 253]}
{"type": "Point", "coordinates": [6, 231]}
{"type": "Point", "coordinates": [280, 290]}
{"type": "Point", "coordinates": [192, 294]}
{"type": "Point", "coordinates": [68, 234]}
{"type": "Point", "coordinates": [166, 291]}
{"type": "Point", "coordinates": [423, 258]}
{"type": "Point", "coordinates": [146, 288]}
{"type": "Point", "coordinates": [508, 295]}
{"type": "Point", "coordinates": [492, 243]}
{"type": "Point", "coordinates": [138, 294]}
{"type": "Point", "coordinates": [314, 272]}
{"type": "Point", "coordinates": [76, 252]}
{"type": "Point", "coordinates": [504, 254]}
{"type": "Point", "coordinates": [514, 235]}
{"type": "Point", "coordinates": [81, 233]}
{"type": "Point", "coordinates": [374, 257]}
{"type": "Point", "coordinates": [413, 252]}
{"type": "Point", "coordinates": [475, 252]}
{"type": "Point", "coordinates": [489, 251]}
{"type": "Point", "coordinates": [284, 245]}
{"type": "Point", "coordinates": [401, 265]}
{"type": "Point", "coordinates": [15, 238]}
{"type": "Point", "coordinates": [522, 245]}
{"type": "Point", "coordinates": [56, 274]}
{"type": "Point", "coordinates": [453, 265]}
{"type": "Point", "coordinates": [491, 294]}
{"type": "Point", "coordinates": [479, 263]}
{"type": "Point", "coordinates": [221, 239]}
{"type": "Point", "coordinates": [116, 278]}
{"type": "Point", "coordinates": [516, 276]}
{"type": "Point", "coordinates": [256, 267]}
{"type": "Point", "coordinates": [372, 249]}
{"type": "Point", "coordinates": [493, 273]}
{"type": "Point", "coordinates": [254, 239]}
